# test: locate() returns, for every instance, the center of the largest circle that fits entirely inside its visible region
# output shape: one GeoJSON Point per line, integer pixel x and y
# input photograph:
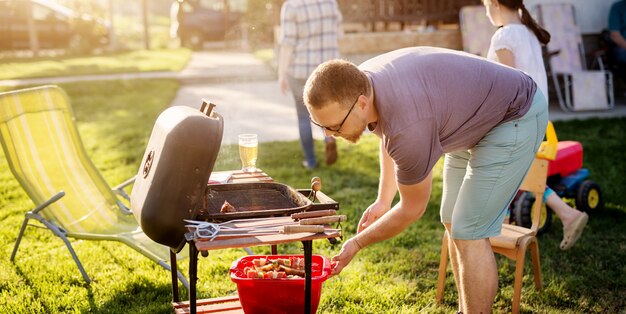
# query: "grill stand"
{"type": "Point", "coordinates": [308, 253]}
{"type": "Point", "coordinates": [231, 303]}
{"type": "Point", "coordinates": [174, 278]}
{"type": "Point", "coordinates": [197, 247]}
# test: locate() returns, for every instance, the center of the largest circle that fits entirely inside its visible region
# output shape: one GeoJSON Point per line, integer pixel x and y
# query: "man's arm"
{"type": "Point", "coordinates": [387, 189]}
{"type": "Point", "coordinates": [288, 37]}
{"type": "Point", "coordinates": [618, 39]}
{"type": "Point", "coordinates": [616, 24]}
{"type": "Point", "coordinates": [284, 59]}
{"type": "Point", "coordinates": [412, 205]}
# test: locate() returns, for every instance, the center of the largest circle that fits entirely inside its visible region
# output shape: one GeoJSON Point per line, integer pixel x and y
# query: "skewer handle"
{"type": "Point", "coordinates": [309, 228]}
{"type": "Point", "coordinates": [312, 214]}
{"type": "Point", "coordinates": [323, 220]}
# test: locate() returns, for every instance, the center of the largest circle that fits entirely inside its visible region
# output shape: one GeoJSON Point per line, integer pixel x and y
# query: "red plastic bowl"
{"type": "Point", "coordinates": [286, 295]}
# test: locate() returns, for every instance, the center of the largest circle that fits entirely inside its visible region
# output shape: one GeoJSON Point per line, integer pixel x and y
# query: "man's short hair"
{"type": "Point", "coordinates": [333, 81]}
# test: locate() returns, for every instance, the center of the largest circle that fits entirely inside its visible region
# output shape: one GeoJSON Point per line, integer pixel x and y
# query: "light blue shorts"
{"type": "Point", "coordinates": [479, 184]}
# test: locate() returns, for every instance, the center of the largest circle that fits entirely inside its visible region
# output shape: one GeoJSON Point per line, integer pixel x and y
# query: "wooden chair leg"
{"type": "Point", "coordinates": [443, 265]}
{"type": "Point", "coordinates": [519, 274]}
{"type": "Point", "coordinates": [534, 253]}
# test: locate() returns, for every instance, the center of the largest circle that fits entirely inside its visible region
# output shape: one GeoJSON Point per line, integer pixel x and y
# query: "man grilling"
{"type": "Point", "coordinates": [424, 102]}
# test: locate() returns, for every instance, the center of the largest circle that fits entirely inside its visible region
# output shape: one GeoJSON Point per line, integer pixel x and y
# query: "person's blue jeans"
{"type": "Point", "coordinates": [304, 124]}
{"type": "Point", "coordinates": [619, 54]}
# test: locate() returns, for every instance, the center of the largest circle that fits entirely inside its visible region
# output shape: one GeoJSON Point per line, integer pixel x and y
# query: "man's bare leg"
{"type": "Point", "coordinates": [454, 262]}
{"type": "Point", "coordinates": [478, 274]}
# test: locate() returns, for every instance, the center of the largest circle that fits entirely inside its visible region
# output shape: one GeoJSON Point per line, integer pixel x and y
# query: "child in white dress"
{"type": "Point", "coordinates": [517, 43]}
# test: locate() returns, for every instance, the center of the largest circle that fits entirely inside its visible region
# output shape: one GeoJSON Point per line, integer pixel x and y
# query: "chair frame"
{"type": "Point", "coordinates": [64, 235]}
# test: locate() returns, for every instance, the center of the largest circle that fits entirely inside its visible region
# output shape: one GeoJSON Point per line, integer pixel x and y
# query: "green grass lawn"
{"type": "Point", "coordinates": [126, 62]}
{"type": "Point", "coordinates": [397, 276]}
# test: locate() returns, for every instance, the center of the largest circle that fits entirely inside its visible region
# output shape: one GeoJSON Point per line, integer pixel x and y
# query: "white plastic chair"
{"type": "Point", "coordinates": [45, 153]}
{"type": "Point", "coordinates": [577, 87]}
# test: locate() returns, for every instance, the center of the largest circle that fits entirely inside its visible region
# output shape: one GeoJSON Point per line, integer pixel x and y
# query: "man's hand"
{"type": "Point", "coordinates": [348, 251]}
{"type": "Point", "coordinates": [283, 84]}
{"type": "Point", "coordinates": [371, 214]}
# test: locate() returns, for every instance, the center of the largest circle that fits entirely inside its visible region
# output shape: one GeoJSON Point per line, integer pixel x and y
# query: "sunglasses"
{"type": "Point", "coordinates": [336, 130]}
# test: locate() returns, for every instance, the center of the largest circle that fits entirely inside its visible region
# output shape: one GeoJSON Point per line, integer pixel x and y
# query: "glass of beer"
{"type": "Point", "coordinates": [248, 151]}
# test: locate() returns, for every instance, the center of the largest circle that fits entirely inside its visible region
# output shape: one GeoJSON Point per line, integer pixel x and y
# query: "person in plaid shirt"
{"type": "Point", "coordinates": [310, 29]}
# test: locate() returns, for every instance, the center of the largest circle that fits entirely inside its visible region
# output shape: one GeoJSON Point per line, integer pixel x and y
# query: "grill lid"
{"type": "Point", "coordinates": [172, 178]}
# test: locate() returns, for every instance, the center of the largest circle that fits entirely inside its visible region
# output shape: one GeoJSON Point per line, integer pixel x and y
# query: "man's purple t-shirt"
{"type": "Point", "coordinates": [432, 101]}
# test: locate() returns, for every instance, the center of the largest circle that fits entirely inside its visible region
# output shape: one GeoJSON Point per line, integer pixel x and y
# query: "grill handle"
{"type": "Point", "coordinates": [323, 201]}
{"type": "Point", "coordinates": [207, 107]}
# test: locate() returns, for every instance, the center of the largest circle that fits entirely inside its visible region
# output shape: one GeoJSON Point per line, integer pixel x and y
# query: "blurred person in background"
{"type": "Point", "coordinates": [617, 33]}
{"type": "Point", "coordinates": [310, 30]}
{"type": "Point", "coordinates": [176, 20]}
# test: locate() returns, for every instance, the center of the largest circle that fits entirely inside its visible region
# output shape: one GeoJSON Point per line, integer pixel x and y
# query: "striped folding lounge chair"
{"type": "Point", "coordinates": [46, 155]}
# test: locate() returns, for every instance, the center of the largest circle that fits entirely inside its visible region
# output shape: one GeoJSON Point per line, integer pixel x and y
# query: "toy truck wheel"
{"type": "Point", "coordinates": [589, 196]}
{"type": "Point", "coordinates": [521, 213]}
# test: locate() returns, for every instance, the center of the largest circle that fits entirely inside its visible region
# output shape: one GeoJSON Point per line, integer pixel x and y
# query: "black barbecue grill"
{"type": "Point", "coordinates": [172, 186]}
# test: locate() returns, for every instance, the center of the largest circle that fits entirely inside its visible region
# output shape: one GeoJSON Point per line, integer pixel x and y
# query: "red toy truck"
{"type": "Point", "coordinates": [567, 178]}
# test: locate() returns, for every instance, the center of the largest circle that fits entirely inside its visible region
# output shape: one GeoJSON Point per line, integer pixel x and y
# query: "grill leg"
{"type": "Point", "coordinates": [308, 256]}
{"type": "Point", "coordinates": [193, 276]}
{"type": "Point", "coordinates": [174, 272]}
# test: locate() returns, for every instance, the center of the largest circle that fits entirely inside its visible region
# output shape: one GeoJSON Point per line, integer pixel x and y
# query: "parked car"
{"type": "Point", "coordinates": [57, 26]}
{"type": "Point", "coordinates": [198, 21]}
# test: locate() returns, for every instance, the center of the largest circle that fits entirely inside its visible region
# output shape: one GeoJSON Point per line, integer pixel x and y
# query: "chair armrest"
{"type": "Point", "coordinates": [549, 54]}
{"type": "Point", "coordinates": [124, 208]}
{"type": "Point", "coordinates": [119, 189]}
{"type": "Point", "coordinates": [51, 200]}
